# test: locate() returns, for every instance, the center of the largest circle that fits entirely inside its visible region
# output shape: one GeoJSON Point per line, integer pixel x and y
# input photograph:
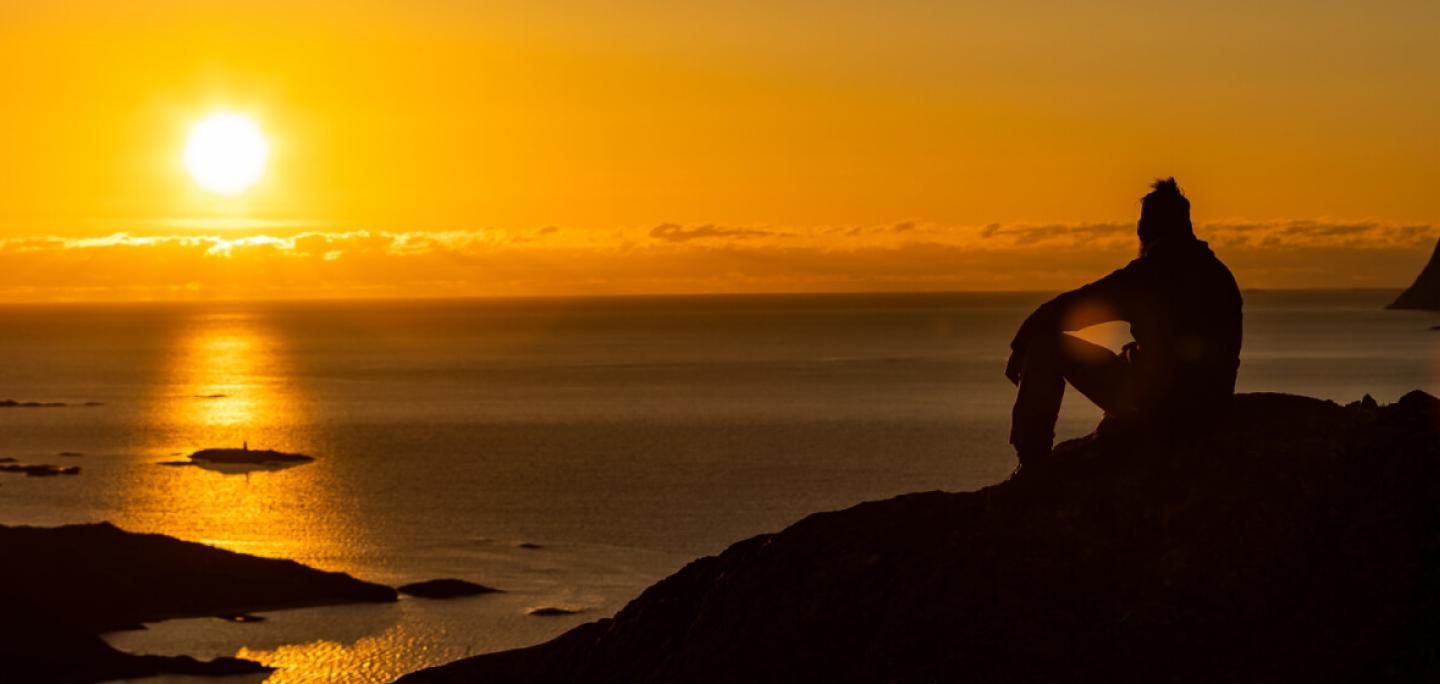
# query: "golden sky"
{"type": "Point", "coordinates": [431, 148]}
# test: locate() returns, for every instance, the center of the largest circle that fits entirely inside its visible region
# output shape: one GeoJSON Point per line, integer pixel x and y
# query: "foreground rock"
{"type": "Point", "coordinates": [1425, 292]}
{"type": "Point", "coordinates": [444, 589]}
{"type": "Point", "coordinates": [1301, 542]}
{"type": "Point", "coordinates": [61, 587]}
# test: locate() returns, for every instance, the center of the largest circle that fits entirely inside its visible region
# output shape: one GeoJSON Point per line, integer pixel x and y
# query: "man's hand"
{"type": "Point", "coordinates": [1013, 366]}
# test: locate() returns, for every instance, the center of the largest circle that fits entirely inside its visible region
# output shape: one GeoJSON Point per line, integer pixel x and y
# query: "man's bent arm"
{"type": "Point", "coordinates": [1098, 302]}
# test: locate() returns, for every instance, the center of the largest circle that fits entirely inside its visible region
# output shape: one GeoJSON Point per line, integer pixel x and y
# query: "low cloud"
{"type": "Point", "coordinates": [672, 232]}
{"type": "Point", "coordinates": [903, 227]}
{"type": "Point", "coordinates": [1300, 234]}
{"type": "Point", "coordinates": [1081, 234]}
{"type": "Point", "coordinates": [675, 258]}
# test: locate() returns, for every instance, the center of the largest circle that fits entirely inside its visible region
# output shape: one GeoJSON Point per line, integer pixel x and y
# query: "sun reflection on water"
{"type": "Point", "coordinates": [229, 384]}
{"type": "Point", "coordinates": [228, 381]}
{"type": "Point", "coordinates": [380, 658]}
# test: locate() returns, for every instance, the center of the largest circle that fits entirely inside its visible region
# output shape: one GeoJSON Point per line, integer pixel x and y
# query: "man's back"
{"type": "Point", "coordinates": [1184, 309]}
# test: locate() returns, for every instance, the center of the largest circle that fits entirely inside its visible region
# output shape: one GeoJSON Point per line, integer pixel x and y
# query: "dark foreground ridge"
{"type": "Point", "coordinates": [61, 587]}
{"type": "Point", "coordinates": [1299, 542]}
{"type": "Point", "coordinates": [1425, 292]}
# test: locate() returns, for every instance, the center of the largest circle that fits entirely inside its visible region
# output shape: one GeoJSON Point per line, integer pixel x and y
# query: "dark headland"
{"type": "Point", "coordinates": [1425, 292]}
{"type": "Point", "coordinates": [61, 587]}
{"type": "Point", "coordinates": [1298, 542]}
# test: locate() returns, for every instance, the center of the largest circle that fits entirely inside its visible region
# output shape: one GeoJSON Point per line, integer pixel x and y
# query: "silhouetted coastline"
{"type": "Point", "coordinates": [61, 587]}
{"type": "Point", "coordinates": [1300, 542]}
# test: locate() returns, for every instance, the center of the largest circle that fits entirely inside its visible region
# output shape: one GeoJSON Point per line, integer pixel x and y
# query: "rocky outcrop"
{"type": "Point", "coordinates": [40, 469]}
{"type": "Point", "coordinates": [1425, 292]}
{"type": "Point", "coordinates": [248, 456]}
{"type": "Point", "coordinates": [444, 589]}
{"type": "Point", "coordinates": [60, 587]}
{"type": "Point", "coordinates": [1298, 542]}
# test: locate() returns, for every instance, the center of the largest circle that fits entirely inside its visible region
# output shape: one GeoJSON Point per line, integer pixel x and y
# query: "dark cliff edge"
{"type": "Point", "coordinates": [1425, 292]}
{"type": "Point", "coordinates": [1300, 541]}
{"type": "Point", "coordinates": [61, 587]}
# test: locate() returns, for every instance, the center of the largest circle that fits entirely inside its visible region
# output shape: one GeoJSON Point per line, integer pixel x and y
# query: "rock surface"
{"type": "Point", "coordinates": [1298, 542]}
{"type": "Point", "coordinates": [444, 588]}
{"type": "Point", "coordinates": [60, 587]}
{"type": "Point", "coordinates": [1425, 292]}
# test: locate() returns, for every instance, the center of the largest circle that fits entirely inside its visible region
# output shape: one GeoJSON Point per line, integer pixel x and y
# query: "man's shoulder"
{"type": "Point", "coordinates": [1141, 266]}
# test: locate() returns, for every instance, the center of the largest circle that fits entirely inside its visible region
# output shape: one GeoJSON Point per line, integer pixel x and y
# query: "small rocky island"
{"type": "Point", "coordinates": [12, 403]}
{"type": "Point", "coordinates": [1425, 292]}
{"type": "Point", "coordinates": [1298, 542]}
{"type": "Point", "coordinates": [38, 469]}
{"type": "Point", "coordinates": [61, 587]}
{"type": "Point", "coordinates": [247, 456]}
{"type": "Point", "coordinates": [445, 589]}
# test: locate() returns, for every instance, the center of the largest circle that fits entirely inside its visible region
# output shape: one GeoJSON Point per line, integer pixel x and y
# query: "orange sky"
{"type": "Point", "coordinates": [443, 148]}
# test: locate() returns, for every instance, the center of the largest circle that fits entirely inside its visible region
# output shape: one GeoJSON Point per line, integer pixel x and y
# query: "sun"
{"type": "Point", "coordinates": [226, 153]}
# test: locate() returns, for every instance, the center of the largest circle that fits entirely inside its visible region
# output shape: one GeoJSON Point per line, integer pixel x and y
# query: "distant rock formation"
{"type": "Point", "coordinates": [444, 588]}
{"type": "Point", "coordinates": [551, 611]}
{"type": "Point", "coordinates": [1425, 293]}
{"type": "Point", "coordinates": [1299, 542]}
{"type": "Point", "coordinates": [61, 587]}
{"type": "Point", "coordinates": [40, 470]}
{"type": "Point", "coordinates": [248, 456]}
{"type": "Point", "coordinates": [12, 403]}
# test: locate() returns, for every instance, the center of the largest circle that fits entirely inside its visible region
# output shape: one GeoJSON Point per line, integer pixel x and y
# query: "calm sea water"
{"type": "Point", "coordinates": [622, 436]}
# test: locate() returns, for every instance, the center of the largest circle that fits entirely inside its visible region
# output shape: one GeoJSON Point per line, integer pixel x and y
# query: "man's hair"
{"type": "Point", "coordinates": [1164, 212]}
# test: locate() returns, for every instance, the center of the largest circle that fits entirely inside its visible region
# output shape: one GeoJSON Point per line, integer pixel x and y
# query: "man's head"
{"type": "Point", "coordinates": [1164, 212]}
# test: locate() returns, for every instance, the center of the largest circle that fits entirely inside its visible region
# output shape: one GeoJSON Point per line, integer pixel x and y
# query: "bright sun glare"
{"type": "Point", "coordinates": [226, 153]}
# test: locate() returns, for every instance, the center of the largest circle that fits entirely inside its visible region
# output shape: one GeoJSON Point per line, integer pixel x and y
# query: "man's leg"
{"type": "Point", "coordinates": [1094, 370]}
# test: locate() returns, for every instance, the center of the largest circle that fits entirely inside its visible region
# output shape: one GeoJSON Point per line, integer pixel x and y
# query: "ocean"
{"type": "Point", "coordinates": [568, 451]}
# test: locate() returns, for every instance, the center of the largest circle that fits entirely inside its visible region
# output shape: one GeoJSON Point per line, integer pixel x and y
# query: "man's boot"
{"type": "Point", "coordinates": [1030, 457]}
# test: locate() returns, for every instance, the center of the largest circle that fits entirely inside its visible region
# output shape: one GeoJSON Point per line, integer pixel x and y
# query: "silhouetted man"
{"type": "Point", "coordinates": [1184, 312]}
